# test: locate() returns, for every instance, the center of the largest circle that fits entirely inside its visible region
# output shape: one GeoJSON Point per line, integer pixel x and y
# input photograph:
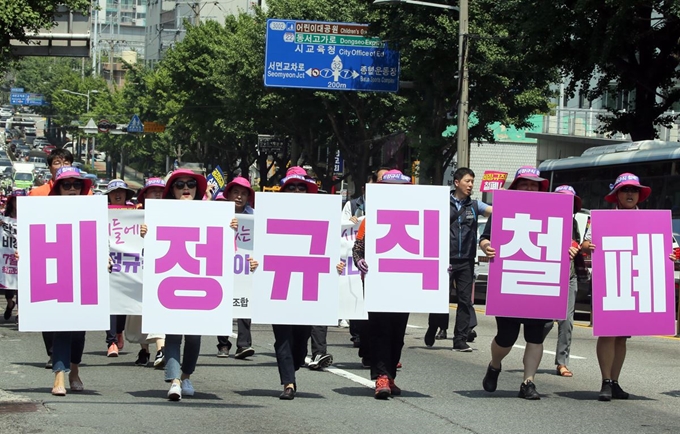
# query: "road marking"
{"type": "Point", "coordinates": [352, 377]}
{"type": "Point", "coordinates": [345, 374]}
{"type": "Point", "coordinates": [552, 353]}
{"type": "Point", "coordinates": [414, 327]}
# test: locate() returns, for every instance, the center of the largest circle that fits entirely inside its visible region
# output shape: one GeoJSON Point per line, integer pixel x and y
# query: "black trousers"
{"type": "Point", "coordinates": [290, 344]}
{"type": "Point", "coordinates": [117, 325]}
{"type": "Point", "coordinates": [244, 338]}
{"type": "Point", "coordinates": [48, 339]}
{"type": "Point", "coordinates": [364, 340]}
{"type": "Point", "coordinates": [462, 273]}
{"type": "Point", "coordinates": [386, 332]}
{"type": "Point", "coordinates": [319, 345]}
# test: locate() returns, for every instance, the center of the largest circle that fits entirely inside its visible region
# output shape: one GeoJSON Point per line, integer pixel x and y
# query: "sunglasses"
{"type": "Point", "coordinates": [189, 184]}
{"type": "Point", "coordinates": [296, 187]}
{"type": "Point", "coordinates": [69, 185]}
{"type": "Point", "coordinates": [630, 189]}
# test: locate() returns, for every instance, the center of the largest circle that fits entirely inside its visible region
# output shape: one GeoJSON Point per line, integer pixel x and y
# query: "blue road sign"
{"type": "Point", "coordinates": [16, 89]}
{"type": "Point", "coordinates": [329, 56]}
{"type": "Point", "coordinates": [339, 165]}
{"type": "Point", "coordinates": [35, 99]}
{"type": "Point", "coordinates": [135, 125]}
{"type": "Point", "coordinates": [18, 98]}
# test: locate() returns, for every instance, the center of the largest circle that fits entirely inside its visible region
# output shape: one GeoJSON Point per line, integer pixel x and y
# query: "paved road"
{"type": "Point", "coordinates": [442, 391]}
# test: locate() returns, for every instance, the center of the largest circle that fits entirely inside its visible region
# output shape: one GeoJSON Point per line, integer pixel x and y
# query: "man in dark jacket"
{"type": "Point", "coordinates": [462, 253]}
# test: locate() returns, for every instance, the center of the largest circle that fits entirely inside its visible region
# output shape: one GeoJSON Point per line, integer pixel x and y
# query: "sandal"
{"type": "Point", "coordinates": [563, 371]}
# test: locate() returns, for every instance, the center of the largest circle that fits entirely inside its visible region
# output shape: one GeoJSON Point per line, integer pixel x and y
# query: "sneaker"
{"type": "Point", "coordinates": [365, 363]}
{"type": "Point", "coordinates": [175, 392]}
{"type": "Point", "coordinates": [142, 357]}
{"type": "Point", "coordinates": [490, 381]}
{"type": "Point", "coordinates": [187, 388]}
{"type": "Point", "coordinates": [399, 365]}
{"type": "Point", "coordinates": [382, 387]}
{"type": "Point", "coordinates": [343, 324]}
{"type": "Point", "coordinates": [48, 365]}
{"type": "Point", "coordinates": [528, 391]}
{"type": "Point", "coordinates": [394, 389]}
{"type": "Point", "coordinates": [120, 341]}
{"type": "Point", "coordinates": [159, 360]}
{"type": "Point", "coordinates": [462, 347]}
{"type": "Point", "coordinates": [320, 361]}
{"type": "Point", "coordinates": [472, 335]}
{"type": "Point", "coordinates": [441, 335]}
{"type": "Point", "coordinates": [605, 391]}
{"type": "Point", "coordinates": [429, 335]}
{"type": "Point", "coordinates": [617, 392]}
{"type": "Point", "coordinates": [223, 352]}
{"type": "Point", "coordinates": [243, 353]}
{"type": "Point", "coordinates": [112, 351]}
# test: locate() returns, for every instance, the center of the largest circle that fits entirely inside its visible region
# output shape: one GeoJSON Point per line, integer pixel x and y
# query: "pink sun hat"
{"type": "Point", "coordinates": [150, 183]}
{"type": "Point", "coordinates": [395, 177]}
{"type": "Point", "coordinates": [627, 179]}
{"type": "Point", "coordinates": [201, 187]}
{"type": "Point", "coordinates": [568, 189]}
{"type": "Point", "coordinates": [297, 173]}
{"type": "Point", "coordinates": [243, 182]}
{"type": "Point", "coordinates": [532, 174]}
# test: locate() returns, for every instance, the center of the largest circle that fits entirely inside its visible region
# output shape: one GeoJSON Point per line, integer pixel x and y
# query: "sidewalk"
{"type": "Point", "coordinates": [132, 177]}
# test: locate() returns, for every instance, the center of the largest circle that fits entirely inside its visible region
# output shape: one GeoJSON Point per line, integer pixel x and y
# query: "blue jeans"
{"type": "Point", "coordinates": [192, 347]}
{"type": "Point", "coordinates": [67, 348]}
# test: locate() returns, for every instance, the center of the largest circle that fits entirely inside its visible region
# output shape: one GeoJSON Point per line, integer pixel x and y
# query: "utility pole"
{"type": "Point", "coordinates": [463, 146]}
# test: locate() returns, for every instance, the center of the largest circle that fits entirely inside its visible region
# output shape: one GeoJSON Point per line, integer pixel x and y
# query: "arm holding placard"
{"type": "Point", "coordinates": [485, 241]}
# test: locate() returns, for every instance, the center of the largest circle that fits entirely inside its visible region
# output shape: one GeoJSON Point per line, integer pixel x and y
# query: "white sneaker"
{"type": "Point", "coordinates": [343, 323]}
{"type": "Point", "coordinates": [175, 392]}
{"type": "Point", "coordinates": [188, 388]}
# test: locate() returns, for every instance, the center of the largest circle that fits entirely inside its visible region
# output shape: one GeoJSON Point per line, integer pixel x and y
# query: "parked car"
{"type": "Point", "coordinates": [48, 149]}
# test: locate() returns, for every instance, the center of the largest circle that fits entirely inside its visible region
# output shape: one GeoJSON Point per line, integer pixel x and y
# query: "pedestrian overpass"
{"type": "Point", "coordinates": [69, 38]}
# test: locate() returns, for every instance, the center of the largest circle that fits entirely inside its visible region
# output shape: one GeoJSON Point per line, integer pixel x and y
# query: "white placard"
{"type": "Point", "coordinates": [296, 240]}
{"type": "Point", "coordinates": [243, 278]}
{"type": "Point", "coordinates": [351, 290]}
{"type": "Point", "coordinates": [407, 248]}
{"type": "Point", "coordinates": [8, 272]}
{"type": "Point", "coordinates": [188, 259]}
{"type": "Point", "coordinates": [63, 256]}
{"type": "Point", "coordinates": [125, 247]}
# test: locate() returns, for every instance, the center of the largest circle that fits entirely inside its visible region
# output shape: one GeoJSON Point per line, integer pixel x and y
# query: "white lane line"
{"type": "Point", "coordinates": [345, 374]}
{"type": "Point", "coordinates": [414, 327]}
{"type": "Point", "coordinates": [352, 377]}
{"type": "Point", "coordinates": [571, 356]}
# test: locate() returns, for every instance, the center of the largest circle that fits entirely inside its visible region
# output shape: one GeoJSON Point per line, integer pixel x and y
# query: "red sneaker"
{"type": "Point", "coordinates": [398, 365]}
{"type": "Point", "coordinates": [112, 351]}
{"type": "Point", "coordinates": [394, 389]}
{"type": "Point", "coordinates": [120, 342]}
{"type": "Point", "coordinates": [382, 387]}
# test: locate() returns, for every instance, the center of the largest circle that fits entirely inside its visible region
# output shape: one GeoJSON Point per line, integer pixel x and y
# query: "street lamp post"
{"type": "Point", "coordinates": [463, 149]}
{"type": "Point", "coordinates": [87, 95]}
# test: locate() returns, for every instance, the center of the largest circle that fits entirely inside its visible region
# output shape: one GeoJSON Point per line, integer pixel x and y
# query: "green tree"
{"type": "Point", "coordinates": [21, 17]}
{"type": "Point", "coordinates": [605, 47]}
{"type": "Point", "coordinates": [504, 86]}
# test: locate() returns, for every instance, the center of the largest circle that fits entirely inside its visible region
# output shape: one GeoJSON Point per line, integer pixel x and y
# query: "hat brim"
{"type": "Point", "coordinates": [201, 187]}
{"type": "Point", "coordinates": [644, 192]}
{"type": "Point", "coordinates": [544, 183]}
{"type": "Point", "coordinates": [251, 192]}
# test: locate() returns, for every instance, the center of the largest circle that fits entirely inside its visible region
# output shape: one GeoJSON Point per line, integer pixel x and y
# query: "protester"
{"type": "Point", "coordinates": [527, 178]}
{"type": "Point", "coordinates": [462, 255]}
{"type": "Point", "coordinates": [10, 223]}
{"type": "Point", "coordinates": [56, 160]}
{"type": "Point", "coordinates": [565, 327]}
{"type": "Point", "coordinates": [626, 193]}
{"type": "Point", "coordinates": [241, 193]}
{"type": "Point", "coordinates": [68, 346]}
{"type": "Point", "coordinates": [385, 330]}
{"type": "Point", "coordinates": [118, 194]}
{"type": "Point", "coordinates": [290, 341]}
{"type": "Point", "coordinates": [182, 185]}
{"type": "Point", "coordinates": [153, 189]}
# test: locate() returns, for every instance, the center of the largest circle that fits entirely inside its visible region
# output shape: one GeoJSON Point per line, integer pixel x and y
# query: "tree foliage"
{"type": "Point", "coordinates": [609, 46]}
